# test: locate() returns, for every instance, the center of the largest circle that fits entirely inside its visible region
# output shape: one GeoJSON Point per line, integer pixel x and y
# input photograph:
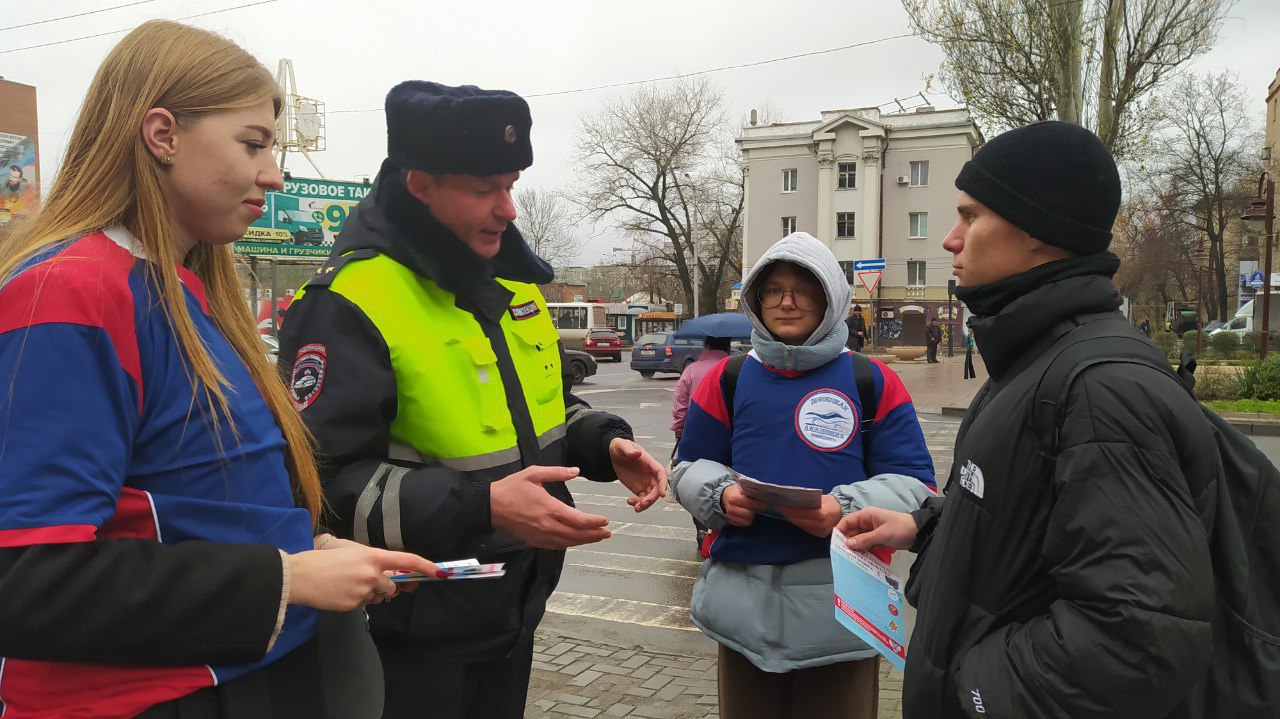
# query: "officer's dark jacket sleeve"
{"type": "Point", "coordinates": [138, 602]}
{"type": "Point", "coordinates": [437, 511]}
{"type": "Point", "coordinates": [589, 432]}
{"type": "Point", "coordinates": [1128, 550]}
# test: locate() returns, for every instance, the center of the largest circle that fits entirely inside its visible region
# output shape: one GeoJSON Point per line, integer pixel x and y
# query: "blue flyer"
{"type": "Point", "coordinates": [868, 600]}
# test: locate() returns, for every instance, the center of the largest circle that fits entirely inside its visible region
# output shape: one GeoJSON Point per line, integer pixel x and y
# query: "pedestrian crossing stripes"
{"type": "Point", "coordinates": [628, 611]}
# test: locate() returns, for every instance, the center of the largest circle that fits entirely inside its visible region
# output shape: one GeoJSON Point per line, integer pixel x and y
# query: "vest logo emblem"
{"type": "Point", "coordinates": [971, 479]}
{"type": "Point", "coordinates": [524, 311]}
{"type": "Point", "coordinates": [826, 420]}
{"type": "Point", "coordinates": [308, 375]}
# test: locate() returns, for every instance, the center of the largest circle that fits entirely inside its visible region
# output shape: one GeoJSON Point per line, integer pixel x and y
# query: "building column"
{"type": "Point", "coordinates": [747, 258]}
{"type": "Point", "coordinates": [869, 218]}
{"type": "Point", "coordinates": [826, 189]}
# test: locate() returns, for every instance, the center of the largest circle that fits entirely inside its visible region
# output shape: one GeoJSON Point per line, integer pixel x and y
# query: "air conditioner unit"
{"type": "Point", "coordinates": [903, 180]}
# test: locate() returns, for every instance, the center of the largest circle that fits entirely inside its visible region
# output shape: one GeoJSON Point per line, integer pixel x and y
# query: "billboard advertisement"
{"type": "Point", "coordinates": [302, 220]}
{"type": "Point", "coordinates": [20, 192]}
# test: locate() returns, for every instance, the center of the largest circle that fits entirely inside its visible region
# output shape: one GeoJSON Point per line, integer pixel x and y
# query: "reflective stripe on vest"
{"type": "Point", "coordinates": [451, 402]}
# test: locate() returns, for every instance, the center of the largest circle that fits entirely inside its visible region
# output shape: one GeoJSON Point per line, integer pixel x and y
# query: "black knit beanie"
{"type": "Point", "coordinates": [1054, 180]}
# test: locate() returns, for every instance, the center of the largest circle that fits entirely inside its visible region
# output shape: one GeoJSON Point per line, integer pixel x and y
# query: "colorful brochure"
{"type": "Point", "coordinates": [460, 569]}
{"type": "Point", "coordinates": [780, 495]}
{"type": "Point", "coordinates": [869, 600]}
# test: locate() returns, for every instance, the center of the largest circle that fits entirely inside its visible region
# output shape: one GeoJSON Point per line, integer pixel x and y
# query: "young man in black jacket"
{"type": "Point", "coordinates": [1079, 586]}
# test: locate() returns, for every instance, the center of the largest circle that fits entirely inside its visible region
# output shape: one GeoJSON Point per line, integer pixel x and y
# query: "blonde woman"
{"type": "Point", "coordinates": [157, 491]}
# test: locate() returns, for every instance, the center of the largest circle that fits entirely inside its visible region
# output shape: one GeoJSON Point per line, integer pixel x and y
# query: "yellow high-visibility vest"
{"type": "Point", "coordinates": [452, 404]}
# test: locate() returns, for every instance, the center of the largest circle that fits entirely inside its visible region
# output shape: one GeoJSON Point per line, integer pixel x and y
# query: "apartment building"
{"type": "Point", "coordinates": [869, 185]}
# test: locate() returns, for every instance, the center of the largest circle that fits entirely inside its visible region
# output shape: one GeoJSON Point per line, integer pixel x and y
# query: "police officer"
{"type": "Point", "coordinates": [424, 361]}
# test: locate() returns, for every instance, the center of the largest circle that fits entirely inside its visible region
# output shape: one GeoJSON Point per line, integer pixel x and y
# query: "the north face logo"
{"type": "Point", "coordinates": [971, 479]}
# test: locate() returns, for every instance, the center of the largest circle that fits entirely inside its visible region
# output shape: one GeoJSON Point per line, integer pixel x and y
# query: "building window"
{"type": "Point", "coordinates": [848, 175]}
{"type": "Point", "coordinates": [915, 273]}
{"type": "Point", "coordinates": [789, 180]}
{"type": "Point", "coordinates": [847, 269]}
{"type": "Point", "coordinates": [920, 173]}
{"type": "Point", "coordinates": [788, 225]}
{"type": "Point", "coordinates": [844, 224]}
{"type": "Point", "coordinates": [919, 222]}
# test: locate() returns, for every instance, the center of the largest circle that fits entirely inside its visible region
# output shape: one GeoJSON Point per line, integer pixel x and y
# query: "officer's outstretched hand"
{"type": "Point", "coordinates": [520, 507]}
{"type": "Point", "coordinates": [639, 472]}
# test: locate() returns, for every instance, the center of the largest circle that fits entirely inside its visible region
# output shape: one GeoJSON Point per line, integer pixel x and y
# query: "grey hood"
{"type": "Point", "coordinates": [828, 340]}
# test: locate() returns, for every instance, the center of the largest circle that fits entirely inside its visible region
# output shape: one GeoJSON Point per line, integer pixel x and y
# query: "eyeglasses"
{"type": "Point", "coordinates": [771, 297]}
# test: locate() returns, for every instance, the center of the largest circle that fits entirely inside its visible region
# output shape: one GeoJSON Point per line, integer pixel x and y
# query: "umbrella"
{"type": "Point", "coordinates": [722, 324]}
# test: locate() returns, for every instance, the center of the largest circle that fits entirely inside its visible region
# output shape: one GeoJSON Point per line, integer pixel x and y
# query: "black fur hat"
{"type": "Point", "coordinates": [457, 130]}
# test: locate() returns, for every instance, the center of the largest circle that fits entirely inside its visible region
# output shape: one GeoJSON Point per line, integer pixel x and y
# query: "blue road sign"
{"type": "Point", "coordinates": [876, 264]}
{"type": "Point", "coordinates": [1256, 280]}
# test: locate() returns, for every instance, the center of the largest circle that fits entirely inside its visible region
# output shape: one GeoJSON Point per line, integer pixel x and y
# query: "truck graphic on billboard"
{"type": "Point", "coordinates": [307, 213]}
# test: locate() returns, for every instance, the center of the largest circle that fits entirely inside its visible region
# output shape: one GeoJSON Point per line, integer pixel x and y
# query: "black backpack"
{"type": "Point", "coordinates": [1244, 677]}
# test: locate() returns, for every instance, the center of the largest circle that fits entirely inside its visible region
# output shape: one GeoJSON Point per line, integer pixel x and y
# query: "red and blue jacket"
{"type": "Point", "coordinates": [800, 429]}
{"type": "Point", "coordinates": [162, 523]}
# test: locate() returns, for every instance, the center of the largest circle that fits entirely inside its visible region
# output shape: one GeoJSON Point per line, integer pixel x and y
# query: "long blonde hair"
{"type": "Point", "coordinates": [108, 178]}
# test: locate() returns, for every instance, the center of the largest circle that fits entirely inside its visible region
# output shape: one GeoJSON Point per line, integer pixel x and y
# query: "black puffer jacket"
{"type": "Point", "coordinates": [1075, 588]}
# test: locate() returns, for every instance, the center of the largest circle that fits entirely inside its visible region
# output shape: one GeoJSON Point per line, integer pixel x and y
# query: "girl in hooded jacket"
{"type": "Point", "coordinates": [765, 592]}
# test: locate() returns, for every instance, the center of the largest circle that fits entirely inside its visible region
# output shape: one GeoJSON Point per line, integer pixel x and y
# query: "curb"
{"type": "Point", "coordinates": [1249, 425]}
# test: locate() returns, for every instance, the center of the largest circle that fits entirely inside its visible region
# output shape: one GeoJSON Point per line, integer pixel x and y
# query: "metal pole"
{"type": "Point", "coordinates": [1266, 270]}
{"type": "Point", "coordinates": [951, 318]}
{"type": "Point", "coordinates": [1199, 304]}
{"type": "Point", "coordinates": [696, 290]}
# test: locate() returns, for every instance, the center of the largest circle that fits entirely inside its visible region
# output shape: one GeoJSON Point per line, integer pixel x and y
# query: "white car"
{"type": "Point", "coordinates": [271, 346]}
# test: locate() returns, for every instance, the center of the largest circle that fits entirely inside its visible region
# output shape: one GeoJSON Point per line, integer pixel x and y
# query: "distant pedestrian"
{"type": "Point", "coordinates": [857, 329]}
{"type": "Point", "coordinates": [933, 338]}
{"type": "Point", "coordinates": [714, 349]}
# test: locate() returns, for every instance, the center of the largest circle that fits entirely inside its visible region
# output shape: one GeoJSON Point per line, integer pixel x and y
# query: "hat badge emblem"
{"type": "Point", "coordinates": [510, 134]}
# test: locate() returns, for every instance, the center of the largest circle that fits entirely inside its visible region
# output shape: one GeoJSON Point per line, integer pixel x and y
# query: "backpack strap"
{"type": "Point", "coordinates": [729, 381]}
{"type": "Point", "coordinates": [863, 376]}
{"type": "Point", "coordinates": [1092, 343]}
{"type": "Point", "coordinates": [324, 275]}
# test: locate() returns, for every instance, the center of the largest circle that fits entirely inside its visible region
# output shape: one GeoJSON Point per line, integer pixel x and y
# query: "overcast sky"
{"type": "Point", "coordinates": [348, 54]}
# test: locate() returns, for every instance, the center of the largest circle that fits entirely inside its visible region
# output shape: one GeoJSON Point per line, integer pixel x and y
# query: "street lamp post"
{"type": "Point", "coordinates": [1261, 211]}
{"type": "Point", "coordinates": [1199, 258]}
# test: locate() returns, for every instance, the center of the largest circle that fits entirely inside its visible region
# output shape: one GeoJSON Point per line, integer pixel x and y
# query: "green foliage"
{"type": "Point", "coordinates": [1244, 405]}
{"type": "Point", "coordinates": [1167, 342]}
{"type": "Point", "coordinates": [1224, 343]}
{"type": "Point", "coordinates": [1189, 342]}
{"type": "Point", "coordinates": [1216, 383]}
{"type": "Point", "coordinates": [1251, 343]}
{"type": "Point", "coordinates": [1268, 384]}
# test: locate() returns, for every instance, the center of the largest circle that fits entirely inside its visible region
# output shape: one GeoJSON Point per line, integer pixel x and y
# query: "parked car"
{"type": "Point", "coordinates": [603, 343]}
{"type": "Point", "coordinates": [661, 352]}
{"type": "Point", "coordinates": [271, 347]}
{"type": "Point", "coordinates": [581, 365]}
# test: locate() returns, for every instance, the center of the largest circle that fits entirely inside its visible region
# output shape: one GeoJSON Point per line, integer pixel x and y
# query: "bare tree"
{"type": "Point", "coordinates": [1205, 160]}
{"type": "Point", "coordinates": [653, 164]}
{"type": "Point", "coordinates": [547, 222]}
{"type": "Point", "coordinates": [1091, 62]}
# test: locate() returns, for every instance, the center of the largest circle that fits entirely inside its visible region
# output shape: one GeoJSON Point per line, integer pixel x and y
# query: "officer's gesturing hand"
{"type": "Point", "coordinates": [522, 508]}
{"type": "Point", "coordinates": [639, 472]}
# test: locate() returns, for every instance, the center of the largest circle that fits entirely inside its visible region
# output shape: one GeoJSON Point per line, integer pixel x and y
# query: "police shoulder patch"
{"type": "Point", "coordinates": [524, 311]}
{"type": "Point", "coordinates": [308, 375]}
